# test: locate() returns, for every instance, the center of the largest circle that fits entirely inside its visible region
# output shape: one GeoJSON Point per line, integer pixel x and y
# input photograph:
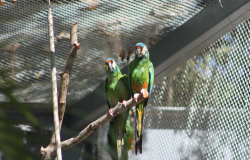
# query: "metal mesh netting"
{"type": "Point", "coordinates": [201, 110]}
{"type": "Point", "coordinates": [105, 29]}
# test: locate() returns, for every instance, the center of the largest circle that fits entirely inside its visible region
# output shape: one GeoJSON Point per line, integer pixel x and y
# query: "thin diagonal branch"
{"type": "Point", "coordinates": [97, 123]}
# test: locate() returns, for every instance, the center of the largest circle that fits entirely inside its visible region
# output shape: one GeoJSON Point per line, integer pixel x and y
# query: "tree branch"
{"type": "Point", "coordinates": [54, 86]}
{"type": "Point", "coordinates": [101, 121]}
{"type": "Point", "coordinates": [97, 123]}
{"type": "Point", "coordinates": [67, 71]}
{"type": "Point", "coordinates": [47, 153]}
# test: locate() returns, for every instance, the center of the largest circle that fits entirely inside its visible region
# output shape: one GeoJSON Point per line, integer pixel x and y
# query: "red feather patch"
{"type": "Point", "coordinates": [131, 141]}
{"type": "Point", "coordinates": [135, 86]}
{"type": "Point", "coordinates": [144, 85]}
{"type": "Point", "coordinates": [109, 61]}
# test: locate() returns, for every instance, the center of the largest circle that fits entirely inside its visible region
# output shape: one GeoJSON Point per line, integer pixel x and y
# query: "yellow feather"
{"type": "Point", "coordinates": [119, 149]}
{"type": "Point", "coordinates": [140, 121]}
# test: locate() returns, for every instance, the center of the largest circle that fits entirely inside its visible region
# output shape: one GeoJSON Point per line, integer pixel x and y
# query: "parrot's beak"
{"type": "Point", "coordinates": [139, 53]}
{"type": "Point", "coordinates": [110, 67]}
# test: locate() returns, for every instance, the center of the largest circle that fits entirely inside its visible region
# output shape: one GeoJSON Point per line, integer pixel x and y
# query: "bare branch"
{"type": "Point", "coordinates": [74, 46]}
{"type": "Point", "coordinates": [98, 123]}
{"type": "Point", "coordinates": [1, 3]}
{"type": "Point", "coordinates": [46, 153]}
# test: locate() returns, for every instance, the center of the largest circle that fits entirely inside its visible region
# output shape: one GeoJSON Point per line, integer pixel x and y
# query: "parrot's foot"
{"type": "Point", "coordinates": [144, 93]}
{"type": "Point", "coordinates": [111, 112]}
{"type": "Point", "coordinates": [136, 95]}
{"type": "Point", "coordinates": [124, 103]}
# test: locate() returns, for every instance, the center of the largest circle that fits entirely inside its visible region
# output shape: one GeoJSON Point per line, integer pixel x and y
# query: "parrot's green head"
{"type": "Point", "coordinates": [111, 66]}
{"type": "Point", "coordinates": [141, 51]}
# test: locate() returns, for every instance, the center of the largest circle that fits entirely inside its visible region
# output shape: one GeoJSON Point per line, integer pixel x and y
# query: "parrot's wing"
{"type": "Point", "coordinates": [151, 82]}
{"type": "Point", "coordinates": [151, 78]}
{"type": "Point", "coordinates": [125, 77]}
{"type": "Point", "coordinates": [105, 90]}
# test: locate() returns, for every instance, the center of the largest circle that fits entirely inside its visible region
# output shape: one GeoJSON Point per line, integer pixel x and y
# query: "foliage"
{"type": "Point", "coordinates": [11, 139]}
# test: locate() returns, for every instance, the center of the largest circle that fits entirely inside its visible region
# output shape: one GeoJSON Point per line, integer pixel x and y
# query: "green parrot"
{"type": "Point", "coordinates": [128, 139]}
{"type": "Point", "coordinates": [140, 79]}
{"type": "Point", "coordinates": [116, 90]}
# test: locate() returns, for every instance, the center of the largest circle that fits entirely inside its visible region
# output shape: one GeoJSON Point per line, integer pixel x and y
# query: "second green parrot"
{"type": "Point", "coordinates": [116, 90]}
{"type": "Point", "coordinates": [128, 139]}
{"type": "Point", "coordinates": [140, 79]}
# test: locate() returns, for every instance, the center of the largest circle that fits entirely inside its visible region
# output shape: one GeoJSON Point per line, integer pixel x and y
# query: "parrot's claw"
{"type": "Point", "coordinates": [144, 93]}
{"type": "Point", "coordinates": [111, 112]}
{"type": "Point", "coordinates": [136, 95]}
{"type": "Point", "coordinates": [124, 103]}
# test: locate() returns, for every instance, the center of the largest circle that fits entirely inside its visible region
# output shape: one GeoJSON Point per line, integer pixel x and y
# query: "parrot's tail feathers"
{"type": "Point", "coordinates": [140, 142]}
{"type": "Point", "coordinates": [138, 145]}
{"type": "Point", "coordinates": [119, 149]}
{"type": "Point", "coordinates": [139, 124]}
{"type": "Point", "coordinates": [136, 138]}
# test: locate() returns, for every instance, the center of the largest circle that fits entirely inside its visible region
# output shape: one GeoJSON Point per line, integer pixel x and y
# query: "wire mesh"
{"type": "Point", "coordinates": [105, 29]}
{"type": "Point", "coordinates": [202, 109]}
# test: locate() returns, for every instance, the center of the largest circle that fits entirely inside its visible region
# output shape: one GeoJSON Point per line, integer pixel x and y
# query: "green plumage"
{"type": "Point", "coordinates": [140, 76]}
{"type": "Point", "coordinates": [116, 90]}
{"type": "Point", "coordinates": [128, 140]}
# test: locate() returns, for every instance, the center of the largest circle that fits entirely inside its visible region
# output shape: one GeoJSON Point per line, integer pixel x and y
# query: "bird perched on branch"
{"type": "Point", "coordinates": [128, 139]}
{"type": "Point", "coordinates": [140, 79]}
{"type": "Point", "coordinates": [116, 90]}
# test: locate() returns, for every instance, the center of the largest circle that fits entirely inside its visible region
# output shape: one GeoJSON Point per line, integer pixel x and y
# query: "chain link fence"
{"type": "Point", "coordinates": [202, 109]}
{"type": "Point", "coordinates": [105, 29]}
{"type": "Point", "coordinates": [199, 111]}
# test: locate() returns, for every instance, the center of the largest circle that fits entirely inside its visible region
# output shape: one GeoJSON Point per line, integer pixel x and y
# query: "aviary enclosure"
{"type": "Point", "coordinates": [199, 106]}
